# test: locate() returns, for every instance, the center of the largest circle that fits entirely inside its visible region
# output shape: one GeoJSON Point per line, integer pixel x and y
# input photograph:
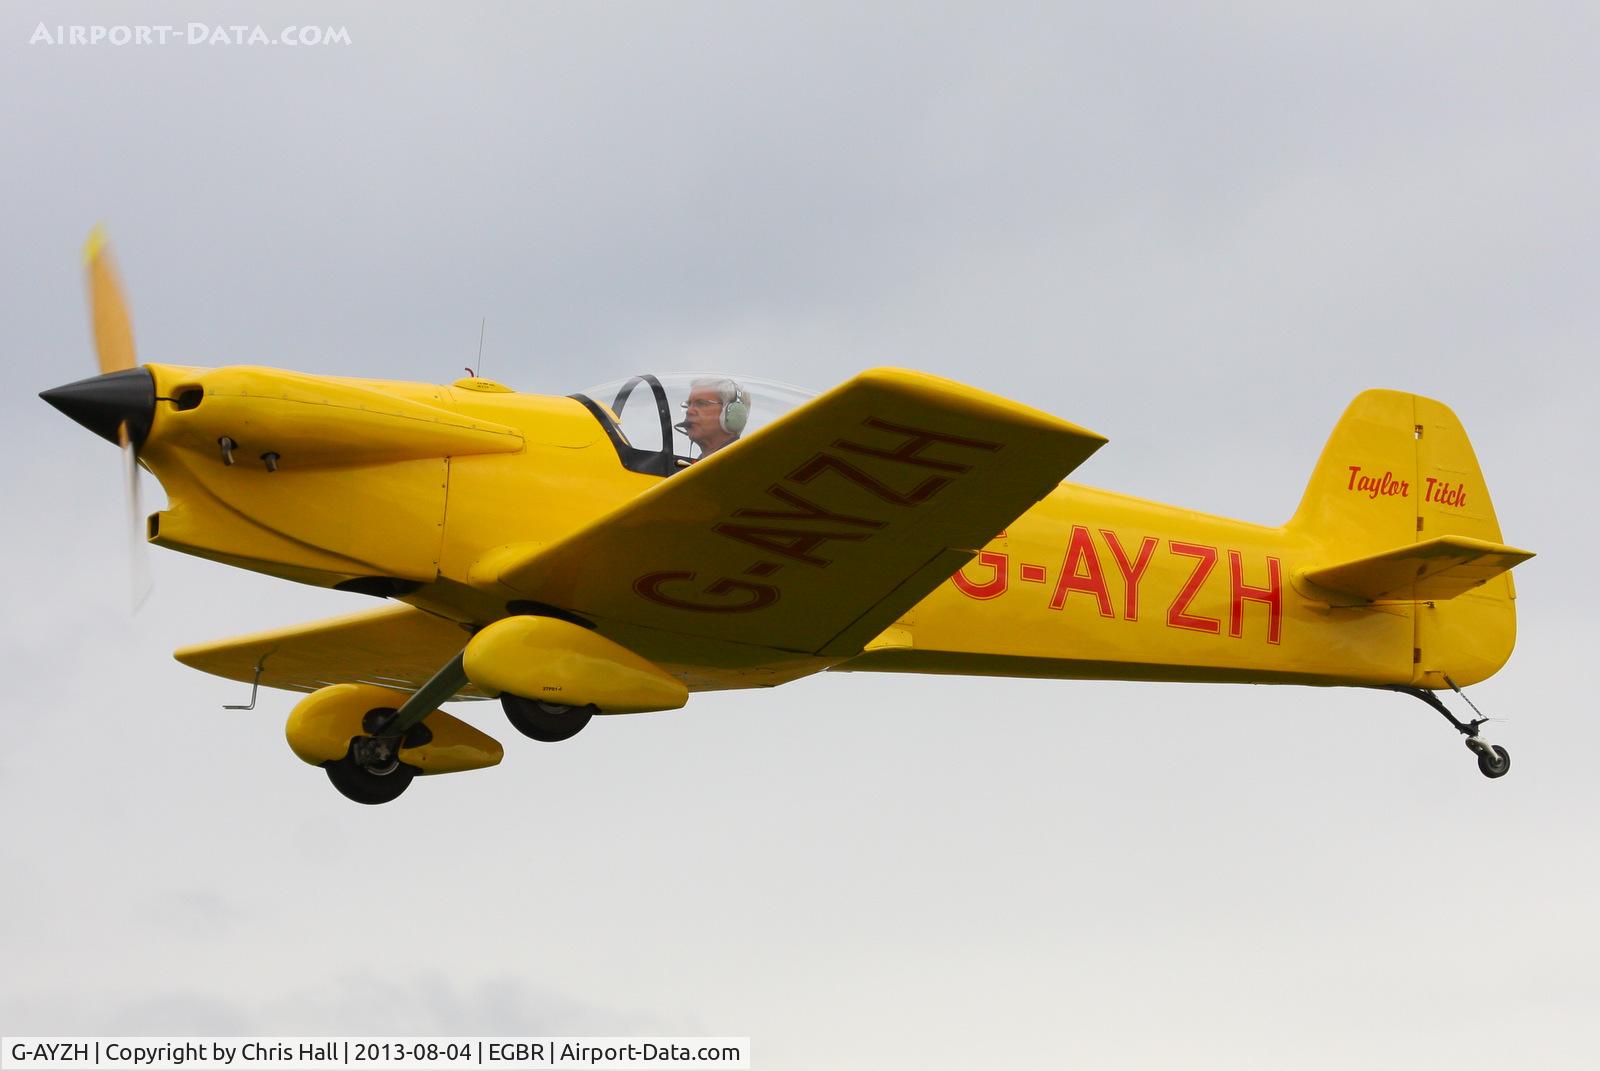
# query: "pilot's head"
{"type": "Point", "coordinates": [718, 410]}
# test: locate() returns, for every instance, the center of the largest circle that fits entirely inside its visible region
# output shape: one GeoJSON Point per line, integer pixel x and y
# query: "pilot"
{"type": "Point", "coordinates": [718, 410]}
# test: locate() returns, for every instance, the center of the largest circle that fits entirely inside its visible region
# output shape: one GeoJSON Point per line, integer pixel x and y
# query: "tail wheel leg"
{"type": "Point", "coordinates": [1493, 760]}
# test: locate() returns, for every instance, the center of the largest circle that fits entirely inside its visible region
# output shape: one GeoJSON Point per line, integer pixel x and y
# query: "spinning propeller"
{"type": "Point", "coordinates": [119, 403]}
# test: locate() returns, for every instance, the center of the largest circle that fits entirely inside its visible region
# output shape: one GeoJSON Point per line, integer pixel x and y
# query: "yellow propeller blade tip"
{"type": "Point", "coordinates": [94, 244]}
{"type": "Point", "coordinates": [108, 308]}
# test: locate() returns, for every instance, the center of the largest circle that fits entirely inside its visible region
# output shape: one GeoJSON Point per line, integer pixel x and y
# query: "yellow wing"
{"type": "Point", "coordinates": [394, 647]}
{"type": "Point", "coordinates": [816, 532]}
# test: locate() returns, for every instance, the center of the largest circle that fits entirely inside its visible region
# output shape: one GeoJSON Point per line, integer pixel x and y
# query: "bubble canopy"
{"type": "Point", "coordinates": [644, 415]}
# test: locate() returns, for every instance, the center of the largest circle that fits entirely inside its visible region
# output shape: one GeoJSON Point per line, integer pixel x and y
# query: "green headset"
{"type": "Point", "coordinates": [736, 410]}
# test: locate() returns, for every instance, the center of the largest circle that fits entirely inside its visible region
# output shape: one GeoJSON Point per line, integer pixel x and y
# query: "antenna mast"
{"type": "Point", "coordinates": [479, 373]}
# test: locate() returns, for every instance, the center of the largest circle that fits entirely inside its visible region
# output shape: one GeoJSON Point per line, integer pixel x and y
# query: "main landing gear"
{"type": "Point", "coordinates": [547, 722]}
{"type": "Point", "coordinates": [1493, 760]}
{"type": "Point", "coordinates": [371, 772]}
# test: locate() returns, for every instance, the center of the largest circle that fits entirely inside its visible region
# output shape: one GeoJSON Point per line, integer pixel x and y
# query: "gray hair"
{"type": "Point", "coordinates": [726, 388]}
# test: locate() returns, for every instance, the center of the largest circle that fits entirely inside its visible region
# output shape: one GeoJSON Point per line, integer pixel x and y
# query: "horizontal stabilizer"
{"type": "Point", "coordinates": [1439, 568]}
{"type": "Point", "coordinates": [395, 646]}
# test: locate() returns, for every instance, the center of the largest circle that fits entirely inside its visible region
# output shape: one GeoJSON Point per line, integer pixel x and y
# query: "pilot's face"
{"type": "Point", "coordinates": [703, 421]}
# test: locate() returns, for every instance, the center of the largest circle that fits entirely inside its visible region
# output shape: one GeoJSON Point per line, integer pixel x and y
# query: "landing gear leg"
{"type": "Point", "coordinates": [1493, 760]}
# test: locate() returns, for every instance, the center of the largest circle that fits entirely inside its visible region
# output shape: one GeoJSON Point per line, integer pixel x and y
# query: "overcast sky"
{"type": "Point", "coordinates": [1197, 231]}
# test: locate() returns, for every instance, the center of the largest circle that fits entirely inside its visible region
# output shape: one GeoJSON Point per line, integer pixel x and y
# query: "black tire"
{"type": "Point", "coordinates": [1495, 762]}
{"type": "Point", "coordinates": [357, 783]}
{"type": "Point", "coordinates": [545, 722]}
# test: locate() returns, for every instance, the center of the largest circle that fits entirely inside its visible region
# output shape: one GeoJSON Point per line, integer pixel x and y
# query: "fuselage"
{"type": "Point", "coordinates": [1093, 584]}
{"type": "Point", "coordinates": [1086, 584]}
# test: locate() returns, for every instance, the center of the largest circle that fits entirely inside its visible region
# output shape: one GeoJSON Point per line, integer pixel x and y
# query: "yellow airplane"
{"type": "Point", "coordinates": [572, 556]}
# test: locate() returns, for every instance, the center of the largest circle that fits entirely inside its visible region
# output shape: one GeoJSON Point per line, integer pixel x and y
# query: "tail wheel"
{"type": "Point", "coordinates": [1494, 761]}
{"type": "Point", "coordinates": [547, 722]}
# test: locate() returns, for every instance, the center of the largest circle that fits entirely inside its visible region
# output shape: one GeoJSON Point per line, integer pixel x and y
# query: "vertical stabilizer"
{"type": "Point", "coordinates": [1399, 470]}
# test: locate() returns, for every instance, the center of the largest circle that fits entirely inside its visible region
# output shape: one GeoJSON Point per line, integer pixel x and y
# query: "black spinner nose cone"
{"type": "Point", "coordinates": [103, 403]}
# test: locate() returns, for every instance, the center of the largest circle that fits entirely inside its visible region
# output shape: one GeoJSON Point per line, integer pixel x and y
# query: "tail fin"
{"type": "Point", "coordinates": [1397, 471]}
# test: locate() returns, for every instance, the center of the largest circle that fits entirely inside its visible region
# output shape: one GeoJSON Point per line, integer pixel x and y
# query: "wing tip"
{"type": "Point", "coordinates": [929, 387]}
